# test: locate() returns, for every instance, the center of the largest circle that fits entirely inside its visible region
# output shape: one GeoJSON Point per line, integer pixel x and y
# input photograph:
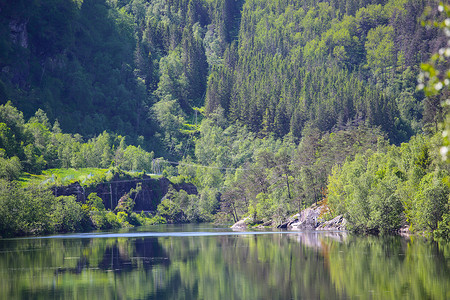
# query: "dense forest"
{"type": "Point", "coordinates": [266, 106]}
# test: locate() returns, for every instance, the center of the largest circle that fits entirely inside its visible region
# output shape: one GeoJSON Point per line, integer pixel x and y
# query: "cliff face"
{"type": "Point", "coordinates": [18, 32]}
{"type": "Point", "coordinates": [153, 190]}
{"type": "Point", "coordinates": [15, 38]}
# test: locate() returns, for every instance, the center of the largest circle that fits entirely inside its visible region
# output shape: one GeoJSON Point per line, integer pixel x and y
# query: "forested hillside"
{"type": "Point", "coordinates": [267, 106]}
{"type": "Point", "coordinates": [75, 61]}
{"type": "Point", "coordinates": [324, 64]}
{"type": "Point", "coordinates": [140, 67]}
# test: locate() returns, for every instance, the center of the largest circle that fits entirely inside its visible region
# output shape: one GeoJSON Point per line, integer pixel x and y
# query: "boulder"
{"type": "Point", "coordinates": [404, 230]}
{"type": "Point", "coordinates": [241, 224]}
{"type": "Point", "coordinates": [308, 219]}
{"type": "Point", "coordinates": [288, 223]}
{"type": "Point", "coordinates": [337, 223]}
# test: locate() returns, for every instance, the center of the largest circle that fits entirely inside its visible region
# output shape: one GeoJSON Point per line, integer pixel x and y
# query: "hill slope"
{"type": "Point", "coordinates": [140, 67]}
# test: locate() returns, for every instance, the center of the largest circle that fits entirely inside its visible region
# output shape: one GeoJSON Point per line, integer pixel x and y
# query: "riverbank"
{"type": "Point", "coordinates": [113, 199]}
{"type": "Point", "coordinates": [310, 218]}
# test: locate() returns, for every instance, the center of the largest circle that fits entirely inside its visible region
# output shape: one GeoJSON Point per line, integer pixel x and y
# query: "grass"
{"type": "Point", "coordinates": [64, 176]}
{"type": "Point", "coordinates": [85, 176]}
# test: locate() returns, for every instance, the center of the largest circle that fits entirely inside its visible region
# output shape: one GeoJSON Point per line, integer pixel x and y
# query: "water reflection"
{"type": "Point", "coordinates": [316, 239]}
{"type": "Point", "coordinates": [308, 265]}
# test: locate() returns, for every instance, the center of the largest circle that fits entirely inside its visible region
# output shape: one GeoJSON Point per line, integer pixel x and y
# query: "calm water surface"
{"type": "Point", "coordinates": [204, 262]}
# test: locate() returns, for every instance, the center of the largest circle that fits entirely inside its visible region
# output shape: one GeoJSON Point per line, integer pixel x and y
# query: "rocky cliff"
{"type": "Point", "coordinates": [153, 190]}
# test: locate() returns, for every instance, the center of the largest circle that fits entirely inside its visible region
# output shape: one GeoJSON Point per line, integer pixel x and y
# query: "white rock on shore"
{"type": "Point", "coordinates": [337, 223]}
{"type": "Point", "coordinates": [307, 219]}
{"type": "Point", "coordinates": [241, 224]}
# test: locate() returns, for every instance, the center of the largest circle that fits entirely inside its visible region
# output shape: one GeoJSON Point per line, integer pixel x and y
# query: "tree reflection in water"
{"type": "Point", "coordinates": [308, 265]}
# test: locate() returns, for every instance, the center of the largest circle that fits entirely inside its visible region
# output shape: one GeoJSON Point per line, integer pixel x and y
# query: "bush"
{"type": "Point", "coordinates": [122, 218]}
{"type": "Point", "coordinates": [156, 220]}
{"type": "Point", "coordinates": [442, 232]}
{"type": "Point", "coordinates": [136, 219]}
{"type": "Point", "coordinates": [430, 202]}
{"type": "Point", "coordinates": [10, 169]}
{"type": "Point", "coordinates": [112, 221]}
{"type": "Point", "coordinates": [170, 211]}
{"type": "Point", "coordinates": [95, 202]}
{"type": "Point", "coordinates": [24, 211]}
{"type": "Point", "coordinates": [98, 219]}
{"type": "Point", "coordinates": [68, 215]}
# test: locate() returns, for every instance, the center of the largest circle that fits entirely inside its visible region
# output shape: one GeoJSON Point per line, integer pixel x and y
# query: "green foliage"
{"type": "Point", "coordinates": [24, 211]}
{"type": "Point", "coordinates": [10, 169]}
{"type": "Point", "coordinates": [302, 63]}
{"type": "Point", "coordinates": [381, 191]}
{"type": "Point", "coordinates": [431, 202]}
{"type": "Point", "coordinates": [68, 215]}
{"type": "Point", "coordinates": [137, 219]}
{"type": "Point", "coordinates": [38, 147]}
{"type": "Point", "coordinates": [34, 211]}
{"type": "Point", "coordinates": [262, 211]}
{"type": "Point", "coordinates": [180, 207]}
{"type": "Point", "coordinates": [104, 219]}
{"type": "Point", "coordinates": [277, 67]}
{"type": "Point", "coordinates": [435, 74]}
{"type": "Point", "coordinates": [60, 60]}
{"type": "Point", "coordinates": [95, 202]}
{"type": "Point", "coordinates": [435, 79]}
{"type": "Point", "coordinates": [266, 178]}
{"type": "Point", "coordinates": [126, 203]}
{"type": "Point", "coordinates": [12, 131]}
{"type": "Point", "coordinates": [204, 206]}
{"type": "Point", "coordinates": [135, 158]}
{"type": "Point", "coordinates": [171, 118]}
{"type": "Point", "coordinates": [380, 51]}
{"type": "Point", "coordinates": [442, 233]}
{"type": "Point", "coordinates": [170, 211]}
{"type": "Point", "coordinates": [122, 218]}
{"type": "Point", "coordinates": [29, 209]}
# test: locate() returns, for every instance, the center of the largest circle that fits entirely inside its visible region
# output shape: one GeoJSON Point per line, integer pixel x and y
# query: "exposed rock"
{"type": "Point", "coordinates": [308, 219]}
{"type": "Point", "coordinates": [18, 71]}
{"type": "Point", "coordinates": [404, 230]}
{"type": "Point", "coordinates": [242, 224]}
{"type": "Point", "coordinates": [153, 190]}
{"type": "Point", "coordinates": [72, 189]}
{"type": "Point", "coordinates": [291, 220]}
{"type": "Point", "coordinates": [268, 223]}
{"type": "Point", "coordinates": [337, 223]}
{"type": "Point", "coordinates": [19, 34]}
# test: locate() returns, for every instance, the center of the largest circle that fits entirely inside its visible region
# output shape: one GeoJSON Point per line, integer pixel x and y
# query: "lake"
{"type": "Point", "coordinates": [207, 262]}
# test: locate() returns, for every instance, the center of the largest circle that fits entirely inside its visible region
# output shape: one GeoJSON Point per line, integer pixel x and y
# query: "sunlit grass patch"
{"type": "Point", "coordinates": [85, 176]}
{"type": "Point", "coordinates": [66, 176]}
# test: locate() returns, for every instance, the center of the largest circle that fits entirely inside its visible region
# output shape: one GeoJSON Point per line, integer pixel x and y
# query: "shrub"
{"type": "Point", "coordinates": [24, 211]}
{"type": "Point", "coordinates": [112, 221]}
{"type": "Point", "coordinates": [67, 215]}
{"type": "Point", "coordinates": [10, 169]}
{"type": "Point", "coordinates": [98, 219]}
{"type": "Point", "coordinates": [442, 232]}
{"type": "Point", "coordinates": [122, 218]}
